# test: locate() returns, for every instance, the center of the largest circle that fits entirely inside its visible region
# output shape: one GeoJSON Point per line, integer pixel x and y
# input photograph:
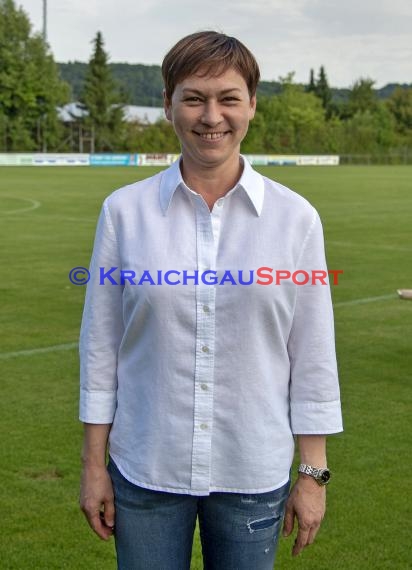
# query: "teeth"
{"type": "Point", "coordinates": [211, 136]}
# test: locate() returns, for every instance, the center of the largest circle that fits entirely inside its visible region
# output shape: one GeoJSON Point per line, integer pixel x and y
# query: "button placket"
{"type": "Point", "coordinates": [216, 217]}
{"type": "Point", "coordinates": [205, 326]}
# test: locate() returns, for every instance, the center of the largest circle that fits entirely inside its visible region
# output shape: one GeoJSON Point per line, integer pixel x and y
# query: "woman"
{"type": "Point", "coordinates": [198, 367]}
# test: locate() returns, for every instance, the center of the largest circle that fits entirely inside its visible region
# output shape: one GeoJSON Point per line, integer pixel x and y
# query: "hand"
{"type": "Point", "coordinates": [96, 494]}
{"type": "Point", "coordinates": [306, 502]}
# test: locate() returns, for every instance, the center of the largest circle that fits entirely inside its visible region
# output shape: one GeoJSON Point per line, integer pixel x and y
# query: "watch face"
{"type": "Point", "coordinates": [325, 476]}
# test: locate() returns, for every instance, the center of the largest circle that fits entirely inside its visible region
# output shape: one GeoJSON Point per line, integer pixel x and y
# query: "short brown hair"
{"type": "Point", "coordinates": [213, 53]}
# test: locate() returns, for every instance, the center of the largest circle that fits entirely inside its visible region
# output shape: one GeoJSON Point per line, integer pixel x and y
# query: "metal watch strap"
{"type": "Point", "coordinates": [312, 471]}
{"type": "Point", "coordinates": [320, 474]}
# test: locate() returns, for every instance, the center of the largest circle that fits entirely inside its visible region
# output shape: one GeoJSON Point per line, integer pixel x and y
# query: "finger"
{"type": "Point", "coordinates": [109, 513]}
{"type": "Point", "coordinates": [312, 534]}
{"type": "Point", "coordinates": [93, 518]}
{"type": "Point", "coordinates": [300, 542]}
{"type": "Point", "coordinates": [288, 522]}
{"type": "Point", "coordinates": [97, 523]}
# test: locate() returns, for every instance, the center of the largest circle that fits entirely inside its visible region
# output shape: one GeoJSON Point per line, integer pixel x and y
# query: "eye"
{"type": "Point", "coordinates": [192, 99]}
{"type": "Point", "coordinates": [230, 99]}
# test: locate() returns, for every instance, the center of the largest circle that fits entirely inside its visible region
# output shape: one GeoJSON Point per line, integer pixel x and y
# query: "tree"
{"type": "Point", "coordinates": [322, 90]}
{"type": "Point", "coordinates": [362, 97]}
{"type": "Point", "coordinates": [306, 117]}
{"type": "Point", "coordinates": [370, 132]}
{"type": "Point", "coordinates": [30, 87]}
{"type": "Point", "coordinates": [290, 122]}
{"type": "Point", "coordinates": [159, 137]}
{"type": "Point", "coordinates": [400, 105]}
{"type": "Point", "coordinates": [102, 100]}
{"type": "Point", "coordinates": [311, 88]}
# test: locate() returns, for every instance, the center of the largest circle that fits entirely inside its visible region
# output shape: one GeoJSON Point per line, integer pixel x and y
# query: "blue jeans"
{"type": "Point", "coordinates": [154, 529]}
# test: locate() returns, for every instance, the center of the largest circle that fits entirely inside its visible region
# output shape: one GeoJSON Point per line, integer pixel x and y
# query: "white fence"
{"type": "Point", "coordinates": [152, 159]}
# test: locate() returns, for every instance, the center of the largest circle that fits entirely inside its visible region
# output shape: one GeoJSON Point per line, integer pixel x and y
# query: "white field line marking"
{"type": "Point", "coordinates": [88, 220]}
{"type": "Point", "coordinates": [33, 351]}
{"type": "Point", "coordinates": [365, 300]}
{"type": "Point", "coordinates": [368, 246]}
{"type": "Point", "coordinates": [67, 219]}
{"type": "Point", "coordinates": [34, 205]}
{"type": "Point", "coordinates": [72, 345]}
{"type": "Point", "coordinates": [62, 218]}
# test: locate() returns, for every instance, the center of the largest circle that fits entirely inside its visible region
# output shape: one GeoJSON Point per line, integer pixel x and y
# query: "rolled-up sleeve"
{"type": "Point", "coordinates": [101, 330]}
{"type": "Point", "coordinates": [314, 387]}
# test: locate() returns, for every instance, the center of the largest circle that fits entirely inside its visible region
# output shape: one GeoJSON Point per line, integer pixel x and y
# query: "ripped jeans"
{"type": "Point", "coordinates": [154, 529]}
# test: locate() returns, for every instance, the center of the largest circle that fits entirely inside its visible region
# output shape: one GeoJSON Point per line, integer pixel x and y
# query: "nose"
{"type": "Point", "coordinates": [211, 114]}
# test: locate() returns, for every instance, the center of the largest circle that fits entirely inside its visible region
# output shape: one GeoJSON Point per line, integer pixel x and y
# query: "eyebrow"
{"type": "Point", "coordinates": [223, 92]}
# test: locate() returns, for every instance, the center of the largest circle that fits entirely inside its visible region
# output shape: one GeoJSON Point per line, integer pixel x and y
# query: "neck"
{"type": "Point", "coordinates": [214, 181]}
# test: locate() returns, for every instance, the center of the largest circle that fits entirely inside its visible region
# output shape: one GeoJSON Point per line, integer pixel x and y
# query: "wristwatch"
{"type": "Point", "coordinates": [320, 474]}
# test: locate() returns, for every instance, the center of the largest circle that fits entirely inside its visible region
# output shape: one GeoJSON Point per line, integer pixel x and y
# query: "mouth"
{"type": "Point", "coordinates": [215, 136]}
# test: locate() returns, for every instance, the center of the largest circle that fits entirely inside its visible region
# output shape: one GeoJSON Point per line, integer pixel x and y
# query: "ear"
{"type": "Point", "coordinates": [167, 105]}
{"type": "Point", "coordinates": [252, 108]}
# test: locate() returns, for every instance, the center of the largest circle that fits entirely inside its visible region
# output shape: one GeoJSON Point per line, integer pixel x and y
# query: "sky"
{"type": "Point", "coordinates": [353, 39]}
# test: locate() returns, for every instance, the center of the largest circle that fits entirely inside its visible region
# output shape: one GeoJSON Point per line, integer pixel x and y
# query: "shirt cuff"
{"type": "Point", "coordinates": [316, 418]}
{"type": "Point", "coordinates": [97, 407]}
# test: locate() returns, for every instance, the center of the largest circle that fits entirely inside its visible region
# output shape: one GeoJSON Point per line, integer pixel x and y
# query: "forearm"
{"type": "Point", "coordinates": [95, 444]}
{"type": "Point", "coordinates": [312, 450]}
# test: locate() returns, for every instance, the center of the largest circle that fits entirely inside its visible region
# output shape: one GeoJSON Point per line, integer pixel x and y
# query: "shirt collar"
{"type": "Point", "coordinates": [250, 181]}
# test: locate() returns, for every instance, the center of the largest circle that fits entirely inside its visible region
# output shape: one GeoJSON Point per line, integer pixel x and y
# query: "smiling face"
{"type": "Point", "coordinates": [211, 117]}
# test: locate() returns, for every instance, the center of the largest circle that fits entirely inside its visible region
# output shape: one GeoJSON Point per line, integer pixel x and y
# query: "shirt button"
{"type": "Point", "coordinates": [204, 386]}
{"type": "Point", "coordinates": [219, 203]}
{"type": "Point", "coordinates": [203, 426]}
{"type": "Point", "coordinates": [205, 349]}
{"type": "Point", "coordinates": [206, 309]}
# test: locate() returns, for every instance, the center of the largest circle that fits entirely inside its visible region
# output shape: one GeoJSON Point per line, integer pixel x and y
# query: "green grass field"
{"type": "Point", "coordinates": [47, 222]}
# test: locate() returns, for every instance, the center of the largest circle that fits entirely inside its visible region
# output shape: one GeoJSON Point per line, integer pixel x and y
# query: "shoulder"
{"type": "Point", "coordinates": [291, 205]}
{"type": "Point", "coordinates": [285, 195]}
{"type": "Point", "coordinates": [130, 195]}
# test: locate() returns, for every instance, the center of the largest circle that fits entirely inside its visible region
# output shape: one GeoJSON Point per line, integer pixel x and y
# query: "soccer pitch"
{"type": "Point", "coordinates": [47, 223]}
